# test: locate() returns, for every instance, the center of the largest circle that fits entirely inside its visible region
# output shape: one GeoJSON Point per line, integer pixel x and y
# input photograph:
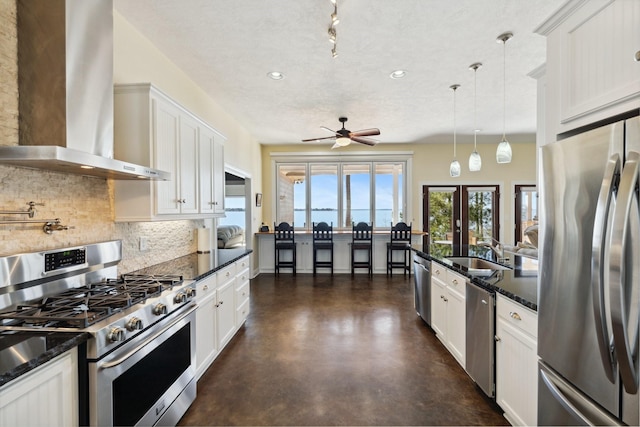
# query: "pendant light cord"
{"type": "Point", "coordinates": [475, 108]}
{"type": "Point", "coordinates": [504, 90]}
{"type": "Point", "coordinates": [454, 123]}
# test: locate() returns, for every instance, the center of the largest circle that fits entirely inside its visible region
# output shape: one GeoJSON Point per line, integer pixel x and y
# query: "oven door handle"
{"type": "Point", "coordinates": [126, 356]}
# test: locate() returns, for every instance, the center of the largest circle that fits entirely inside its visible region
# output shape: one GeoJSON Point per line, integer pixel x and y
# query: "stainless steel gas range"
{"type": "Point", "coordinates": [138, 367]}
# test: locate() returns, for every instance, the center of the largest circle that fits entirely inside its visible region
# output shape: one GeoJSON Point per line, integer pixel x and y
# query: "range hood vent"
{"type": "Point", "coordinates": [65, 86]}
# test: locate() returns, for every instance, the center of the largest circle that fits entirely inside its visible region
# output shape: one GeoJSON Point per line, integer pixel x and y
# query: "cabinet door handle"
{"type": "Point", "coordinates": [445, 300]}
{"type": "Point", "coordinates": [637, 56]}
{"type": "Point", "coordinates": [515, 315]}
{"type": "Point", "coordinates": [497, 338]}
{"type": "Point", "coordinates": [205, 288]}
{"type": "Point", "coordinates": [484, 302]}
{"type": "Point", "coordinates": [454, 281]}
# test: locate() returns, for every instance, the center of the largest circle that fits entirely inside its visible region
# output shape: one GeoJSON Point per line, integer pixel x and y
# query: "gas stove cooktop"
{"type": "Point", "coordinates": [86, 305]}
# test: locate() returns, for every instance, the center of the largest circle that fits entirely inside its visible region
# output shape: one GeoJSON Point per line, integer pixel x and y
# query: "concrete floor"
{"type": "Point", "coordinates": [337, 351]}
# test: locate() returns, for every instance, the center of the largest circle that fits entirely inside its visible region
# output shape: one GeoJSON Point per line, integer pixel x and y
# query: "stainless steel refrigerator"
{"type": "Point", "coordinates": [590, 277]}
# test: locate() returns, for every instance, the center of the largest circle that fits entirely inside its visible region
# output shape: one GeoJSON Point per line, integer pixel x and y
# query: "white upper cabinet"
{"type": "Point", "coordinates": [591, 70]}
{"type": "Point", "coordinates": [152, 130]}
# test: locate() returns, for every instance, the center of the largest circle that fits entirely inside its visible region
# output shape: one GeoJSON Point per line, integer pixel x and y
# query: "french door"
{"type": "Point", "coordinates": [459, 216]}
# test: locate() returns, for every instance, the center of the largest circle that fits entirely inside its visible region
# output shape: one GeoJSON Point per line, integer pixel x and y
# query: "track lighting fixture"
{"type": "Point", "coordinates": [333, 35]}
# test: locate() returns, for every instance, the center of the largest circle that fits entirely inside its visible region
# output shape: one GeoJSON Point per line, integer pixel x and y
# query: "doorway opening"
{"type": "Point", "coordinates": [235, 226]}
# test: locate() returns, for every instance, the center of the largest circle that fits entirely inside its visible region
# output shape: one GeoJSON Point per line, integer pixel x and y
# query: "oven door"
{"type": "Point", "coordinates": [149, 380]}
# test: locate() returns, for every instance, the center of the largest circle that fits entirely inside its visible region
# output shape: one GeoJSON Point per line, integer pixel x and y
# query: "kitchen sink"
{"type": "Point", "coordinates": [477, 266]}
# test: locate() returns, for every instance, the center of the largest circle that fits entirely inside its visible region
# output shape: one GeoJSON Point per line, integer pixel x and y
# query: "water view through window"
{"type": "Point", "coordinates": [341, 193]}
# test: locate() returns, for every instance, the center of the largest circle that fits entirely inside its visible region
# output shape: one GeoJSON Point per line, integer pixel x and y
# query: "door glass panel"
{"type": "Point", "coordinates": [291, 199]}
{"type": "Point", "coordinates": [526, 217]}
{"type": "Point", "coordinates": [356, 194]}
{"type": "Point", "coordinates": [480, 216]}
{"type": "Point", "coordinates": [324, 193]}
{"type": "Point", "coordinates": [442, 220]}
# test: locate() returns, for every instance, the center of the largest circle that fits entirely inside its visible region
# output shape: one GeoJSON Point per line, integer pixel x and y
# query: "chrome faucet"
{"type": "Point", "coordinates": [498, 249]}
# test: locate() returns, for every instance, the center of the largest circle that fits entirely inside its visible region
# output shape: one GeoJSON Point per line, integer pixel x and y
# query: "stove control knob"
{"type": "Point", "coordinates": [191, 292]}
{"type": "Point", "coordinates": [133, 324]}
{"type": "Point", "coordinates": [180, 298]}
{"type": "Point", "coordinates": [116, 334]}
{"type": "Point", "coordinates": [160, 309]}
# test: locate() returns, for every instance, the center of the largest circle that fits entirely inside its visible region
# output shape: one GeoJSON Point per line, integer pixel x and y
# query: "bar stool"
{"type": "Point", "coordinates": [322, 241]}
{"type": "Point", "coordinates": [362, 240]}
{"type": "Point", "coordinates": [400, 242]}
{"type": "Point", "coordinates": [284, 240]}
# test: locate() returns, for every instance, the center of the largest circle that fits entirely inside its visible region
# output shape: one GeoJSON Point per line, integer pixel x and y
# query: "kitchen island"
{"type": "Point", "coordinates": [518, 283]}
{"type": "Point", "coordinates": [487, 319]}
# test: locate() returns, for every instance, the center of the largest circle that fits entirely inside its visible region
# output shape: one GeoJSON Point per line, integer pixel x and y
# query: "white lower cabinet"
{"type": "Point", "coordinates": [516, 361]}
{"type": "Point", "coordinates": [206, 342]}
{"type": "Point", "coordinates": [226, 311]}
{"type": "Point", "coordinates": [223, 306]}
{"type": "Point", "coordinates": [448, 310]}
{"type": "Point", "coordinates": [46, 396]}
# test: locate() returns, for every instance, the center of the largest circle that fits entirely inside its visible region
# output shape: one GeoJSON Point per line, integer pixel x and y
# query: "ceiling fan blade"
{"type": "Point", "coordinates": [365, 132]}
{"type": "Point", "coordinates": [327, 129]}
{"type": "Point", "coordinates": [318, 139]}
{"type": "Point", "coordinates": [366, 141]}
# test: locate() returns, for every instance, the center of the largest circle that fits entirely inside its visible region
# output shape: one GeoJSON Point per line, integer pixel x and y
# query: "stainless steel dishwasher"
{"type": "Point", "coordinates": [480, 344]}
{"type": "Point", "coordinates": [422, 287]}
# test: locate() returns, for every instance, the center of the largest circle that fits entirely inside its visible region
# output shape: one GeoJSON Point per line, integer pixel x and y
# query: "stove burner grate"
{"type": "Point", "coordinates": [86, 305]}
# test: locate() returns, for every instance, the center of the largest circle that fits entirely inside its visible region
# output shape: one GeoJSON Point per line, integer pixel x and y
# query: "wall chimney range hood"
{"type": "Point", "coordinates": [65, 87]}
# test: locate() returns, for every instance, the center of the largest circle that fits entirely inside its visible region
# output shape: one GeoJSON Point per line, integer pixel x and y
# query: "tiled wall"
{"type": "Point", "coordinates": [82, 203]}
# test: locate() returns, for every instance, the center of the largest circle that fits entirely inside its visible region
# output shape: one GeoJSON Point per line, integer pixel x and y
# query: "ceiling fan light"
{"type": "Point", "coordinates": [454, 168]}
{"type": "Point", "coordinates": [343, 141]}
{"type": "Point", "coordinates": [475, 162]}
{"type": "Point", "coordinates": [504, 153]}
{"type": "Point", "coordinates": [275, 75]}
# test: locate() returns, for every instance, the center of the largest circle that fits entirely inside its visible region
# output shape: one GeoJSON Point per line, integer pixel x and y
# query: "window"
{"type": "Point", "coordinates": [234, 209]}
{"type": "Point", "coordinates": [356, 193]}
{"type": "Point", "coordinates": [341, 192]}
{"type": "Point", "coordinates": [324, 193]}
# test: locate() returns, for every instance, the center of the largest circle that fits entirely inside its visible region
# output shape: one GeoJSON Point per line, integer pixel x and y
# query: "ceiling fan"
{"type": "Point", "coordinates": [343, 137]}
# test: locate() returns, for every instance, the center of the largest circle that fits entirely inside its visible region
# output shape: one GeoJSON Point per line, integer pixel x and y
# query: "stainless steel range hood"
{"type": "Point", "coordinates": [65, 81]}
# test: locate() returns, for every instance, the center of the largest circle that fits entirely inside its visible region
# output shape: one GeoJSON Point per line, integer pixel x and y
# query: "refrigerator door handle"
{"type": "Point", "coordinates": [598, 248]}
{"type": "Point", "coordinates": [580, 408]}
{"type": "Point", "coordinates": [624, 306]}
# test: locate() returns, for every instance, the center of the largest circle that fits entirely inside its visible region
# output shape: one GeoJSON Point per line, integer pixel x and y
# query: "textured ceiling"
{"type": "Point", "coordinates": [228, 47]}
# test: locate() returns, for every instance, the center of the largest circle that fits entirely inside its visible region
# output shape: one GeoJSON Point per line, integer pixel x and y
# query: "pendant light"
{"type": "Point", "coordinates": [503, 153]}
{"type": "Point", "coordinates": [475, 161]}
{"type": "Point", "coordinates": [454, 168]}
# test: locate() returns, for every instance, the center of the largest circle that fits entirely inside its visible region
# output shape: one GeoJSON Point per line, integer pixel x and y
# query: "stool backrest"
{"type": "Point", "coordinates": [322, 232]}
{"type": "Point", "coordinates": [401, 232]}
{"type": "Point", "coordinates": [283, 232]}
{"type": "Point", "coordinates": [362, 232]}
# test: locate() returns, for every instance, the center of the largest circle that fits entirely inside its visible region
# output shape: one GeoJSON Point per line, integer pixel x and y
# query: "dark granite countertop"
{"type": "Point", "coordinates": [20, 352]}
{"type": "Point", "coordinates": [519, 284]}
{"type": "Point", "coordinates": [197, 266]}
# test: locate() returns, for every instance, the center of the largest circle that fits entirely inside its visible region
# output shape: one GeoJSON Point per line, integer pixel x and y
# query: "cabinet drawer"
{"type": "Point", "coordinates": [241, 313]}
{"type": "Point", "coordinates": [242, 263]}
{"type": "Point", "coordinates": [242, 276]}
{"type": "Point", "coordinates": [517, 315]}
{"type": "Point", "coordinates": [457, 282]}
{"type": "Point", "coordinates": [242, 294]}
{"type": "Point", "coordinates": [205, 288]}
{"type": "Point", "coordinates": [226, 274]}
{"type": "Point", "coordinates": [438, 272]}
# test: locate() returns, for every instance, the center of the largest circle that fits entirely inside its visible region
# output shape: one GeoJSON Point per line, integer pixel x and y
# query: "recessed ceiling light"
{"type": "Point", "coordinates": [86, 167]}
{"type": "Point", "coordinates": [275, 75]}
{"type": "Point", "coordinates": [398, 74]}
